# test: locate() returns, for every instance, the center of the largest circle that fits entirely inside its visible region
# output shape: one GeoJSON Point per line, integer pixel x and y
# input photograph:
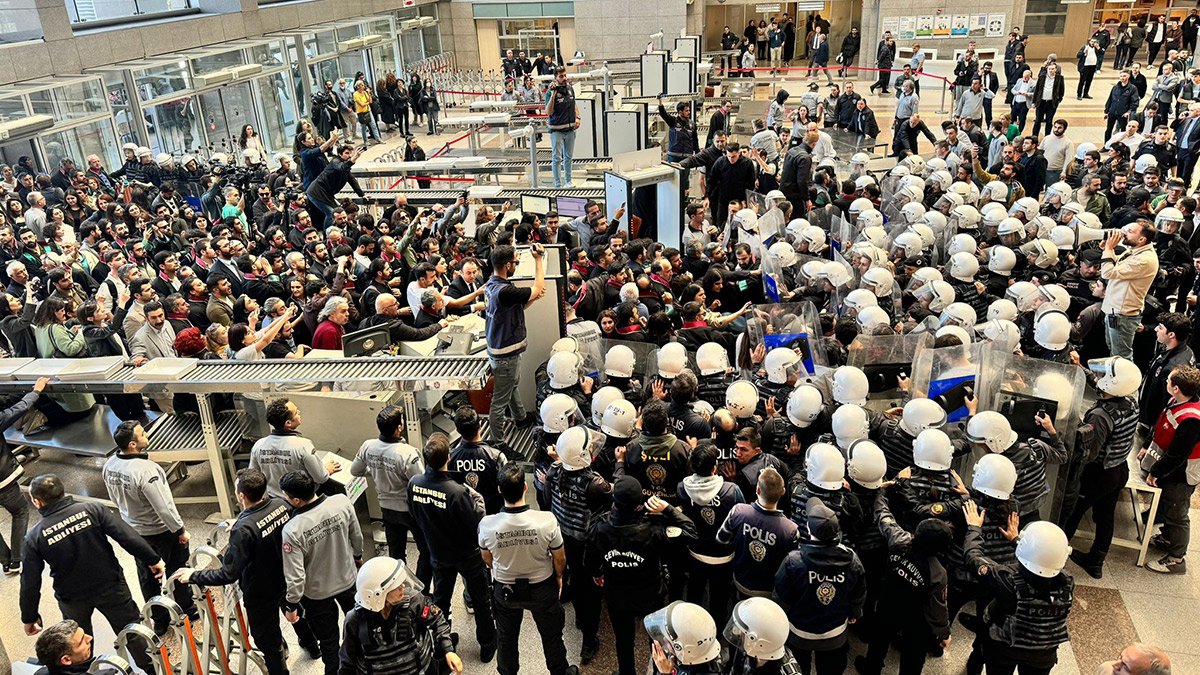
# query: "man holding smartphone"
{"type": "Point", "coordinates": [564, 120]}
{"type": "Point", "coordinates": [506, 334]}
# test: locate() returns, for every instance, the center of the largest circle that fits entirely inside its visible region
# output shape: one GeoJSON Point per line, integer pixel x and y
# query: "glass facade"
{"type": "Point", "coordinates": [174, 126]}
{"type": "Point", "coordinates": [84, 11]}
{"type": "Point", "coordinates": [225, 111]}
{"type": "Point", "coordinates": [90, 138]}
{"type": "Point", "coordinates": [20, 22]}
{"type": "Point", "coordinates": [278, 111]}
{"type": "Point", "coordinates": [1045, 17]}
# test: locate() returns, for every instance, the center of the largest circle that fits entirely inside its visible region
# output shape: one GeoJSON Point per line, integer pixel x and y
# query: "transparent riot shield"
{"type": "Point", "coordinates": [645, 361]}
{"type": "Point", "coordinates": [778, 281]}
{"type": "Point", "coordinates": [853, 274]}
{"type": "Point", "coordinates": [950, 375]}
{"type": "Point", "coordinates": [887, 189]}
{"type": "Point", "coordinates": [793, 325]}
{"type": "Point", "coordinates": [884, 358]}
{"type": "Point", "coordinates": [588, 341]}
{"type": "Point", "coordinates": [771, 223]}
{"type": "Point", "coordinates": [1025, 387]}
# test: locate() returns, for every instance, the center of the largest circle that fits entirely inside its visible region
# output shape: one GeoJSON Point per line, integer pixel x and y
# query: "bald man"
{"type": "Point", "coordinates": [1138, 659]}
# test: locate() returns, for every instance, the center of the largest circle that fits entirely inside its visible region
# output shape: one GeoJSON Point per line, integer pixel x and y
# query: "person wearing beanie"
{"type": "Point", "coordinates": [822, 588]}
{"type": "Point", "coordinates": [625, 555]}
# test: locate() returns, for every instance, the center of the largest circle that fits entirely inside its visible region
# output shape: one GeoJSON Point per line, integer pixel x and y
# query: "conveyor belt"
{"type": "Point", "coordinates": [494, 166]}
{"type": "Point", "coordinates": [423, 197]}
{"type": "Point", "coordinates": [183, 432]}
{"type": "Point", "coordinates": [405, 373]}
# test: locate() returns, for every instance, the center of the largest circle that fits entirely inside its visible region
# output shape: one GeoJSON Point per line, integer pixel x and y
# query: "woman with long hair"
{"type": "Point", "coordinates": [249, 140]}
{"type": "Point", "coordinates": [414, 97]}
{"type": "Point", "coordinates": [77, 210]}
{"type": "Point", "coordinates": [430, 106]}
{"type": "Point", "coordinates": [56, 341]}
{"type": "Point", "coordinates": [387, 107]}
{"type": "Point", "coordinates": [100, 330]}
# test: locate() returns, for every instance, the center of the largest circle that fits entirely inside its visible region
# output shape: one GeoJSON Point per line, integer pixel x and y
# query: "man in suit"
{"type": "Point", "coordinates": [991, 84]}
{"type": "Point", "coordinates": [1187, 138]}
{"type": "Point", "coordinates": [719, 121]}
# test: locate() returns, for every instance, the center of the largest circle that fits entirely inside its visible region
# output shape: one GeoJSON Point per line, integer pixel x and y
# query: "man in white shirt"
{"type": "Point", "coordinates": [425, 275]}
{"type": "Point", "coordinates": [1130, 137]}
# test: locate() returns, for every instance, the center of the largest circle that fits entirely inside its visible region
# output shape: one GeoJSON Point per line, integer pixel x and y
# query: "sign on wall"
{"type": "Point", "coordinates": [936, 27]}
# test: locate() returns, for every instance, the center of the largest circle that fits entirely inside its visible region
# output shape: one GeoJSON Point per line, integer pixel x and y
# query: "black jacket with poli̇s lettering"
{"type": "Point", "coordinates": [659, 463]}
{"type": "Point", "coordinates": [447, 515]}
{"type": "Point", "coordinates": [254, 557]}
{"type": "Point", "coordinates": [821, 586]}
{"type": "Point", "coordinates": [72, 538]}
{"type": "Point", "coordinates": [627, 549]}
{"type": "Point", "coordinates": [916, 583]}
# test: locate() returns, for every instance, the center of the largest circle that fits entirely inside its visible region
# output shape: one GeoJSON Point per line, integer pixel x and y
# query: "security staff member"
{"type": "Point", "coordinates": [657, 458]}
{"type": "Point", "coordinates": [322, 547]}
{"type": "Point", "coordinates": [14, 408]}
{"type": "Point", "coordinates": [139, 488]}
{"type": "Point", "coordinates": [254, 560]}
{"type": "Point", "coordinates": [524, 550]}
{"type": "Point", "coordinates": [285, 450]}
{"type": "Point", "coordinates": [72, 538]}
{"type": "Point", "coordinates": [681, 135]}
{"type": "Point", "coordinates": [475, 463]}
{"type": "Point", "coordinates": [447, 515]}
{"type": "Point", "coordinates": [391, 463]}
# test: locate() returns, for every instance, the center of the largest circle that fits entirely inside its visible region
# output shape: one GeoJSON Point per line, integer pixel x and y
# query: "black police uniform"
{"type": "Point", "coordinates": [476, 465]}
{"type": "Point", "coordinates": [412, 640]}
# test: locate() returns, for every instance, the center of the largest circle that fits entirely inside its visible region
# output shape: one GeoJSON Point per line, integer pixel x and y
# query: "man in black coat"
{"type": "Point", "coordinates": [1122, 101]}
{"type": "Point", "coordinates": [719, 121]}
{"type": "Point", "coordinates": [728, 179]}
{"type": "Point", "coordinates": [797, 172]}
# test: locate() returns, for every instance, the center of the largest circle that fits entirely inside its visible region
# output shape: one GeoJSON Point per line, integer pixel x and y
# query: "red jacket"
{"type": "Point", "coordinates": [1177, 444]}
{"type": "Point", "coordinates": [328, 336]}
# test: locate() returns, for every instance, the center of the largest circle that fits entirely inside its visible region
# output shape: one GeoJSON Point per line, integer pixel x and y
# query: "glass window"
{"type": "Point", "coordinates": [383, 59]}
{"type": "Point", "coordinates": [211, 63]}
{"type": "Point", "coordinates": [92, 138]}
{"type": "Point", "coordinates": [162, 80]}
{"type": "Point", "coordinates": [20, 22]}
{"type": "Point", "coordinates": [1045, 17]}
{"type": "Point", "coordinates": [118, 100]}
{"type": "Point", "coordinates": [410, 46]}
{"type": "Point", "coordinates": [348, 32]}
{"type": "Point", "coordinates": [433, 40]}
{"type": "Point", "coordinates": [225, 111]}
{"type": "Point", "coordinates": [174, 126]}
{"type": "Point", "coordinates": [269, 55]}
{"type": "Point", "coordinates": [12, 107]}
{"type": "Point", "coordinates": [83, 11]}
{"type": "Point", "coordinates": [278, 111]}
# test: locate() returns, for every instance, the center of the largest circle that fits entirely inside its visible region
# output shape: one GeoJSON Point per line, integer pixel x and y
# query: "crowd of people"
{"type": "Point", "coordinates": [748, 498]}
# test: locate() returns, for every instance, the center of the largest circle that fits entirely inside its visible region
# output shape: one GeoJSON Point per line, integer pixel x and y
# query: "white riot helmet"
{"type": "Point", "coordinates": [850, 386]}
{"type": "Point", "coordinates": [783, 253]}
{"type": "Point", "coordinates": [129, 147]}
{"type": "Point", "coordinates": [564, 369]}
{"type": "Point", "coordinates": [379, 576]}
{"type": "Point", "coordinates": [874, 235]}
{"type": "Point", "coordinates": [672, 359]}
{"type": "Point", "coordinates": [932, 450]}
{"type": "Point", "coordinates": [962, 243]}
{"type": "Point", "coordinates": [935, 220]}
{"type": "Point", "coordinates": [218, 159]}
{"type": "Point", "coordinates": [619, 419]}
{"type": "Point", "coordinates": [866, 463]}
{"type": "Point", "coordinates": [1060, 191]}
{"type": "Point", "coordinates": [690, 631]}
{"type": "Point", "coordinates": [835, 273]}
{"type": "Point", "coordinates": [1045, 253]}
{"type": "Point", "coordinates": [814, 237]}
{"type": "Point", "coordinates": [913, 213]}
{"type": "Point", "coordinates": [863, 181]}
{"type": "Point", "coordinates": [143, 151]}
{"type": "Point", "coordinates": [949, 201]}
{"type": "Point", "coordinates": [619, 361]}
{"type": "Point", "coordinates": [928, 238]}
{"type": "Point", "coordinates": [794, 228]}
{"type": "Point", "coordinates": [939, 294]}
{"type": "Point", "coordinates": [923, 277]}
{"type": "Point", "coordinates": [1001, 260]}
{"type": "Point", "coordinates": [942, 179]}
{"type": "Point", "coordinates": [959, 314]}
{"type": "Point", "coordinates": [1042, 548]}
{"type": "Point", "coordinates": [965, 217]}
{"type": "Point", "coordinates": [994, 191]}
{"type": "Point", "coordinates": [1072, 208]}
{"type": "Point", "coordinates": [964, 190]}
{"type": "Point", "coordinates": [934, 164]}
{"type": "Point", "coordinates": [995, 476]}
{"type": "Point", "coordinates": [849, 424]}
{"type": "Point", "coordinates": [964, 266]}
{"type": "Point", "coordinates": [1116, 375]}
{"type": "Point", "coordinates": [1168, 214]}
{"type": "Point", "coordinates": [776, 196]}
{"type": "Point", "coordinates": [163, 159]}
{"type": "Point", "coordinates": [804, 405]}
{"type": "Point", "coordinates": [1053, 386]}
{"type": "Point", "coordinates": [712, 359]}
{"type": "Point", "coordinates": [921, 414]}
{"type": "Point", "coordinates": [859, 299]}
{"type": "Point", "coordinates": [917, 182]}
{"type": "Point", "coordinates": [1002, 309]}
{"type": "Point", "coordinates": [992, 430]}
{"type": "Point", "coordinates": [990, 215]}
{"type": "Point", "coordinates": [746, 219]}
{"type": "Point", "coordinates": [576, 446]}
{"type": "Point", "coordinates": [1085, 219]}
{"type": "Point", "coordinates": [779, 363]}
{"type": "Point", "coordinates": [957, 331]}
{"type": "Point", "coordinates": [741, 398]}
{"type": "Point", "coordinates": [858, 163]}
{"type": "Point", "coordinates": [858, 206]}
{"type": "Point", "coordinates": [915, 164]}
{"type": "Point", "coordinates": [898, 171]}
{"type": "Point", "coordinates": [1025, 206]}
{"type": "Point", "coordinates": [870, 218]}
{"type": "Point", "coordinates": [908, 194]}
{"type": "Point", "coordinates": [1063, 237]}
{"type": "Point", "coordinates": [911, 242]}
{"type": "Point", "coordinates": [1144, 162]}
{"type": "Point", "coordinates": [1083, 149]}
{"type": "Point", "coordinates": [1056, 296]}
{"type": "Point", "coordinates": [1011, 226]}
{"type": "Point", "coordinates": [1040, 227]}
{"type": "Point", "coordinates": [825, 466]}
{"type": "Point", "coordinates": [758, 627]}
{"type": "Point", "coordinates": [870, 318]}
{"type": "Point", "coordinates": [567, 344]}
{"type": "Point", "coordinates": [1022, 294]}
{"type": "Point", "coordinates": [811, 270]}
{"type": "Point", "coordinates": [556, 412]}
{"type": "Point", "coordinates": [878, 280]}
{"type": "Point", "coordinates": [1052, 330]}
{"type": "Point", "coordinates": [1002, 332]}
{"type": "Point", "coordinates": [601, 400]}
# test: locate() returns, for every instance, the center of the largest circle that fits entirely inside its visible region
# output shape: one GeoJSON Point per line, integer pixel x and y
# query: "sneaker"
{"type": "Point", "coordinates": [1088, 564]}
{"type": "Point", "coordinates": [1168, 565]}
{"type": "Point", "coordinates": [470, 606]}
{"type": "Point", "coordinates": [12, 568]}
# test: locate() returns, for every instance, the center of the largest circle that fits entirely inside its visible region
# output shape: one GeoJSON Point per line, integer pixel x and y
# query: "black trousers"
{"type": "Point", "coordinates": [882, 82]}
{"type": "Point", "coordinates": [17, 506]}
{"type": "Point", "coordinates": [1086, 73]}
{"type": "Point", "coordinates": [1099, 491]}
{"type": "Point", "coordinates": [625, 626]}
{"type": "Point", "coordinates": [396, 527]}
{"type": "Point", "coordinates": [585, 594]}
{"type": "Point", "coordinates": [322, 618]}
{"type": "Point", "coordinates": [1000, 661]}
{"type": "Point", "coordinates": [175, 556]}
{"type": "Point", "coordinates": [1045, 111]}
{"type": "Point", "coordinates": [1154, 47]}
{"type": "Point", "coordinates": [541, 600]}
{"type": "Point", "coordinates": [1114, 122]}
{"type": "Point", "coordinates": [263, 620]}
{"type": "Point", "coordinates": [116, 605]}
{"type": "Point", "coordinates": [987, 111]}
{"type": "Point", "coordinates": [717, 580]}
{"type": "Point", "coordinates": [475, 577]}
{"type": "Point", "coordinates": [828, 661]}
{"type": "Point", "coordinates": [914, 648]}
{"type": "Point", "coordinates": [1186, 165]}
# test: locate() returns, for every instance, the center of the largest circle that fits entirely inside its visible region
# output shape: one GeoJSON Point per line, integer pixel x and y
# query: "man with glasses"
{"type": "Point", "coordinates": [345, 102]}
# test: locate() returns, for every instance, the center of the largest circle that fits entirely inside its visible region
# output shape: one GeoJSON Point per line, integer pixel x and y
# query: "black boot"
{"type": "Point", "coordinates": [1089, 563]}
